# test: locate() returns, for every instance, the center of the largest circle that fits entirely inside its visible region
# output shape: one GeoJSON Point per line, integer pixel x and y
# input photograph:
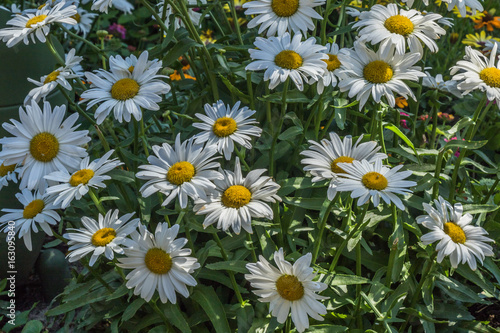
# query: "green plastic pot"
{"type": "Point", "coordinates": [17, 64]}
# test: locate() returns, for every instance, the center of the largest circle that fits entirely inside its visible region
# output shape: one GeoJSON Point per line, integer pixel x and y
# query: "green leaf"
{"type": "Point", "coordinates": [242, 96]}
{"type": "Point", "coordinates": [33, 326]}
{"type": "Point", "coordinates": [230, 265]}
{"type": "Point", "coordinates": [327, 329]}
{"type": "Point", "coordinates": [476, 209]}
{"type": "Point", "coordinates": [132, 308]}
{"type": "Point", "coordinates": [403, 137]}
{"type": "Point", "coordinates": [422, 315]}
{"type": "Point", "coordinates": [289, 185]}
{"type": "Point", "coordinates": [458, 126]}
{"type": "Point", "coordinates": [290, 133]}
{"type": "Point", "coordinates": [293, 96]}
{"type": "Point", "coordinates": [464, 144]}
{"type": "Point", "coordinates": [175, 316]}
{"type": "Point", "coordinates": [457, 290]}
{"type": "Point", "coordinates": [208, 300]}
{"type": "Point", "coordinates": [347, 280]}
{"type": "Point", "coordinates": [181, 47]}
{"type": "Point", "coordinates": [308, 203]}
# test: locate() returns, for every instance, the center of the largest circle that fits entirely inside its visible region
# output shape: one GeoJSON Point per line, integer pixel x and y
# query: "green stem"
{"type": "Point", "coordinates": [392, 255]}
{"type": "Point", "coordinates": [278, 130]}
{"type": "Point", "coordinates": [359, 224]}
{"type": "Point", "coordinates": [155, 307]}
{"type": "Point", "coordinates": [231, 273]}
{"type": "Point", "coordinates": [144, 138]}
{"type": "Point", "coordinates": [235, 22]}
{"type": "Point", "coordinates": [242, 158]}
{"type": "Point", "coordinates": [98, 205]}
{"type": "Point", "coordinates": [98, 277]}
{"type": "Point", "coordinates": [435, 187]}
{"type": "Point", "coordinates": [358, 287]}
{"type": "Point", "coordinates": [250, 90]}
{"type": "Point", "coordinates": [381, 139]}
{"type": "Point", "coordinates": [434, 126]}
{"type": "Point", "coordinates": [52, 49]}
{"type": "Point", "coordinates": [319, 115]}
{"type": "Point", "coordinates": [492, 190]}
{"type": "Point", "coordinates": [77, 107]}
{"type": "Point", "coordinates": [102, 56]}
{"type": "Point", "coordinates": [324, 22]}
{"type": "Point", "coordinates": [84, 40]}
{"type": "Point", "coordinates": [250, 240]}
{"type": "Point", "coordinates": [322, 225]}
{"type": "Point", "coordinates": [268, 111]}
{"type": "Point", "coordinates": [463, 151]}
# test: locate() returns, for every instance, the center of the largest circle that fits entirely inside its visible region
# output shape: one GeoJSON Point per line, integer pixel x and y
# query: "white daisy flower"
{"type": "Point", "coordinates": [38, 209]}
{"type": "Point", "coordinates": [183, 170]}
{"type": "Point", "coordinates": [193, 15]}
{"type": "Point", "coordinates": [49, 82]}
{"type": "Point", "coordinates": [103, 237]}
{"type": "Point", "coordinates": [479, 72]}
{"type": "Point", "coordinates": [14, 9]}
{"type": "Point", "coordinates": [125, 93]}
{"type": "Point", "coordinates": [236, 200]}
{"type": "Point", "coordinates": [159, 262]}
{"type": "Point", "coordinates": [280, 16]}
{"type": "Point", "coordinates": [323, 158]}
{"type": "Point", "coordinates": [409, 3]}
{"type": "Point", "coordinates": [43, 143]}
{"type": "Point", "coordinates": [393, 27]}
{"type": "Point", "coordinates": [128, 64]}
{"type": "Point", "coordinates": [36, 24]}
{"type": "Point", "coordinates": [373, 180]}
{"type": "Point", "coordinates": [222, 126]}
{"type": "Point", "coordinates": [329, 77]}
{"type": "Point", "coordinates": [442, 85]}
{"type": "Point", "coordinates": [457, 238]}
{"type": "Point", "coordinates": [369, 73]}
{"type": "Point", "coordinates": [76, 185]}
{"type": "Point", "coordinates": [284, 57]}
{"type": "Point", "coordinates": [8, 173]}
{"type": "Point", "coordinates": [288, 288]}
{"type": "Point", "coordinates": [488, 46]}
{"type": "Point", "coordinates": [462, 5]}
{"type": "Point", "coordinates": [84, 21]}
{"type": "Point", "coordinates": [104, 5]}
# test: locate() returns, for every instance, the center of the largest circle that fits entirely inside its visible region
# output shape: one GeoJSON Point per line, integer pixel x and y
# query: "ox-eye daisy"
{"type": "Point", "coordinates": [8, 173]}
{"type": "Point", "coordinates": [74, 186]}
{"type": "Point", "coordinates": [474, 6]}
{"type": "Point", "coordinates": [222, 126]}
{"type": "Point", "coordinates": [159, 262]}
{"type": "Point", "coordinates": [373, 180]}
{"type": "Point", "coordinates": [36, 24]}
{"type": "Point", "coordinates": [237, 199]}
{"type": "Point", "coordinates": [38, 209]}
{"type": "Point", "coordinates": [322, 158]}
{"type": "Point", "coordinates": [125, 92]}
{"type": "Point", "coordinates": [329, 77]}
{"type": "Point", "coordinates": [280, 16]}
{"type": "Point", "coordinates": [479, 72]}
{"type": "Point", "coordinates": [288, 288]}
{"type": "Point", "coordinates": [183, 170]}
{"type": "Point", "coordinates": [60, 76]}
{"type": "Point", "coordinates": [84, 21]}
{"type": "Point", "coordinates": [103, 237]}
{"type": "Point", "coordinates": [283, 57]}
{"type": "Point", "coordinates": [394, 27]}
{"type": "Point", "coordinates": [457, 238]}
{"type": "Point", "coordinates": [43, 143]}
{"type": "Point", "coordinates": [104, 5]}
{"type": "Point", "coordinates": [371, 74]}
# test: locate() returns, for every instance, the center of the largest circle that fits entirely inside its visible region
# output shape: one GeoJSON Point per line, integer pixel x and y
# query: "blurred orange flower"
{"type": "Point", "coordinates": [489, 20]}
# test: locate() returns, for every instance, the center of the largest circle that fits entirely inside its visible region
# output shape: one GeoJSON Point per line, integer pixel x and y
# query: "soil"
{"type": "Point", "coordinates": [487, 312]}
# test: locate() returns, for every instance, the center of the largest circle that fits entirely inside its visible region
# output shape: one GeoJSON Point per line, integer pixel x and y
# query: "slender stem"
{"type": "Point", "coordinates": [358, 287]}
{"type": "Point", "coordinates": [381, 139]}
{"type": "Point", "coordinates": [102, 54]}
{"type": "Point", "coordinates": [242, 158]}
{"type": "Point", "coordinates": [324, 22]}
{"type": "Point", "coordinates": [463, 151]}
{"type": "Point", "coordinates": [56, 235]}
{"type": "Point", "coordinates": [492, 190]}
{"type": "Point", "coordinates": [52, 49]}
{"type": "Point", "coordinates": [84, 40]}
{"type": "Point", "coordinates": [94, 198]}
{"type": "Point", "coordinates": [394, 249]}
{"type": "Point", "coordinates": [254, 255]}
{"type": "Point", "coordinates": [434, 126]}
{"type": "Point", "coordinates": [435, 187]}
{"type": "Point", "coordinates": [77, 107]}
{"type": "Point", "coordinates": [322, 225]}
{"type": "Point", "coordinates": [144, 138]}
{"type": "Point", "coordinates": [319, 115]}
{"type": "Point", "coordinates": [119, 269]}
{"type": "Point", "coordinates": [268, 112]}
{"type": "Point", "coordinates": [278, 130]}
{"type": "Point", "coordinates": [98, 277]}
{"type": "Point", "coordinates": [231, 273]}
{"type": "Point", "coordinates": [155, 307]}
{"type": "Point", "coordinates": [235, 21]}
{"type": "Point", "coordinates": [250, 90]}
{"type": "Point", "coordinates": [359, 225]}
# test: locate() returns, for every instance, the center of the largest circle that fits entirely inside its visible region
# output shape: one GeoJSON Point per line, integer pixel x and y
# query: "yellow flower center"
{"type": "Point", "coordinates": [491, 76]}
{"type": "Point", "coordinates": [124, 89]}
{"type": "Point", "coordinates": [180, 172]}
{"type": "Point", "coordinates": [374, 181]}
{"type": "Point", "coordinates": [332, 63]}
{"type": "Point", "coordinates": [5, 169]}
{"type": "Point", "coordinates": [158, 261]}
{"type": "Point", "coordinates": [399, 24]}
{"type": "Point", "coordinates": [76, 17]}
{"type": "Point", "coordinates": [103, 236]}
{"type": "Point", "coordinates": [44, 147]}
{"type": "Point", "coordinates": [290, 288]}
{"type": "Point", "coordinates": [455, 232]}
{"type": "Point", "coordinates": [51, 77]}
{"type": "Point", "coordinates": [34, 20]}
{"type": "Point", "coordinates": [224, 126]}
{"type": "Point", "coordinates": [236, 196]}
{"type": "Point", "coordinates": [33, 209]}
{"type": "Point", "coordinates": [378, 71]}
{"type": "Point", "coordinates": [288, 59]}
{"type": "Point", "coordinates": [81, 177]}
{"type": "Point", "coordinates": [131, 69]}
{"type": "Point", "coordinates": [285, 8]}
{"type": "Point", "coordinates": [341, 159]}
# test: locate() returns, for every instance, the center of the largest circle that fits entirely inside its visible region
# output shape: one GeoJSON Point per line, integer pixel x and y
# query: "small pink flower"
{"type": "Point", "coordinates": [457, 153]}
{"type": "Point", "coordinates": [117, 30]}
{"type": "Point", "coordinates": [403, 121]}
